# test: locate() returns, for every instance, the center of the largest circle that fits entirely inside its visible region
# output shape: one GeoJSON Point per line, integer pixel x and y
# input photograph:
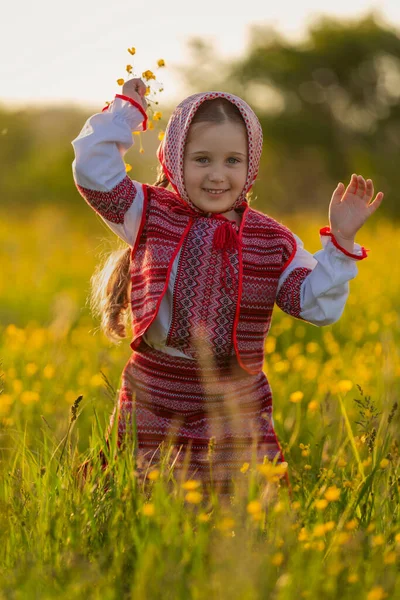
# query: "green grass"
{"type": "Point", "coordinates": [337, 535]}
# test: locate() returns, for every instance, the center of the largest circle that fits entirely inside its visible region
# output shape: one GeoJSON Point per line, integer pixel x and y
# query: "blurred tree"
{"type": "Point", "coordinates": [329, 106]}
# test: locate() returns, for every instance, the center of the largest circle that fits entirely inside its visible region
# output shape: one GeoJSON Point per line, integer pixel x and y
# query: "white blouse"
{"type": "Point", "coordinates": [99, 166]}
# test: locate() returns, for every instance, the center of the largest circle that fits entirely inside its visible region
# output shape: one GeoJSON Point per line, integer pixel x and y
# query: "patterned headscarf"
{"type": "Point", "coordinates": [171, 150]}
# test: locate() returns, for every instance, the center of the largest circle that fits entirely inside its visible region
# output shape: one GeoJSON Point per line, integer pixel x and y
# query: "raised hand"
{"type": "Point", "coordinates": [135, 89]}
{"type": "Point", "coordinates": [351, 207]}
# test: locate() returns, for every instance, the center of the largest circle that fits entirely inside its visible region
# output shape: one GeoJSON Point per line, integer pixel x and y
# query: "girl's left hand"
{"type": "Point", "coordinates": [350, 208]}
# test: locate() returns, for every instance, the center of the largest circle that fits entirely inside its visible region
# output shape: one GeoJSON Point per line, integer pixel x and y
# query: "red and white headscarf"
{"type": "Point", "coordinates": [171, 150]}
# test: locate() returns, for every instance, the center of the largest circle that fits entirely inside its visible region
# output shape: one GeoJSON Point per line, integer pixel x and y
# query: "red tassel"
{"type": "Point", "coordinates": [226, 238]}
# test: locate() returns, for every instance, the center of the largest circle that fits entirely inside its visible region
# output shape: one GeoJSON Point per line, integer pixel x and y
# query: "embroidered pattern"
{"type": "Point", "coordinates": [114, 204]}
{"type": "Point", "coordinates": [288, 298]}
{"type": "Point", "coordinates": [174, 399]}
{"type": "Point", "coordinates": [204, 308]}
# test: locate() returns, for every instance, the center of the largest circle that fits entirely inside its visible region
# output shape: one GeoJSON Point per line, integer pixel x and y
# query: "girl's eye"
{"type": "Point", "coordinates": [202, 159]}
{"type": "Point", "coordinates": [233, 161]}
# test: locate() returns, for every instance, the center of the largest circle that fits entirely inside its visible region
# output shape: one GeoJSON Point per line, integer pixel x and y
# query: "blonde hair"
{"type": "Point", "coordinates": [109, 296]}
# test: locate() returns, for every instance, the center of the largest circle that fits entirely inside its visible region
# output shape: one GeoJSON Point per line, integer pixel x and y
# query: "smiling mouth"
{"type": "Point", "coordinates": [214, 192]}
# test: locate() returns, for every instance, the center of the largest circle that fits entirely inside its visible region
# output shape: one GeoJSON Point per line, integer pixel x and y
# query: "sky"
{"type": "Point", "coordinates": [73, 52]}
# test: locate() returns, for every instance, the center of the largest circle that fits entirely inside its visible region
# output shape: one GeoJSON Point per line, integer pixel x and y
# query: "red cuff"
{"type": "Point", "coordinates": [327, 231]}
{"type": "Point", "coordinates": [135, 104]}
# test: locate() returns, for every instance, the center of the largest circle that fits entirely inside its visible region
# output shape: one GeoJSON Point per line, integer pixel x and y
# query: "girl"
{"type": "Point", "coordinates": [201, 274]}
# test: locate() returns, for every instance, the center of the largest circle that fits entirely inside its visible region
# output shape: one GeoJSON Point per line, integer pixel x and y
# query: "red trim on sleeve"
{"type": "Point", "coordinates": [327, 231]}
{"type": "Point", "coordinates": [291, 257]}
{"type": "Point", "coordinates": [135, 104]}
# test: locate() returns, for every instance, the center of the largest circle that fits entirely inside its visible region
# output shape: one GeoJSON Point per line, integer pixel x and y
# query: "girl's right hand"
{"type": "Point", "coordinates": [135, 89]}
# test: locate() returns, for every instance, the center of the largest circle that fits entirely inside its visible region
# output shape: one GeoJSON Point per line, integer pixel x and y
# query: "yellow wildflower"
{"type": "Point", "coordinates": [141, 150]}
{"type": "Point", "coordinates": [296, 397]}
{"type": "Point", "coordinates": [29, 397]}
{"type": "Point", "coordinates": [332, 494]}
{"type": "Point", "coordinates": [31, 368]}
{"type": "Point", "coordinates": [132, 51]}
{"type": "Point", "coordinates": [384, 463]}
{"type": "Point", "coordinates": [161, 136]}
{"type": "Point", "coordinates": [345, 385]}
{"type": "Point", "coordinates": [150, 125]}
{"type": "Point", "coordinates": [245, 467]}
{"type": "Point", "coordinates": [153, 475]}
{"type": "Point", "coordinates": [390, 557]}
{"type": "Point", "coordinates": [303, 536]}
{"type": "Point", "coordinates": [128, 167]}
{"type": "Point", "coordinates": [273, 472]}
{"type": "Point", "coordinates": [191, 484]}
{"type": "Point", "coordinates": [148, 90]}
{"type": "Point", "coordinates": [277, 559]}
{"type": "Point", "coordinates": [319, 530]}
{"type": "Point", "coordinates": [254, 507]}
{"type": "Point", "coordinates": [341, 463]}
{"type": "Point", "coordinates": [350, 525]}
{"type": "Point", "coordinates": [157, 116]}
{"type": "Point", "coordinates": [17, 386]}
{"type": "Point", "coordinates": [352, 578]}
{"type": "Point", "coordinates": [296, 505]}
{"type": "Point", "coordinates": [313, 406]}
{"type": "Point", "coordinates": [148, 509]}
{"type": "Point", "coordinates": [129, 68]}
{"type": "Point", "coordinates": [371, 527]}
{"type": "Point", "coordinates": [120, 81]}
{"type": "Point", "coordinates": [226, 524]}
{"type": "Point", "coordinates": [321, 504]}
{"type": "Point", "coordinates": [204, 517]}
{"type": "Point", "coordinates": [161, 62]}
{"type": "Point", "coordinates": [194, 497]}
{"type": "Point", "coordinates": [97, 380]}
{"type": "Point", "coordinates": [307, 467]}
{"type": "Point", "coordinates": [378, 540]}
{"type": "Point", "coordinates": [147, 75]}
{"type": "Point", "coordinates": [48, 371]}
{"type": "Point", "coordinates": [397, 538]}
{"type": "Point", "coordinates": [377, 593]}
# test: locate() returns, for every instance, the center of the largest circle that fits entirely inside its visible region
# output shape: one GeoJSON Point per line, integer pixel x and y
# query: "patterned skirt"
{"type": "Point", "coordinates": [214, 419]}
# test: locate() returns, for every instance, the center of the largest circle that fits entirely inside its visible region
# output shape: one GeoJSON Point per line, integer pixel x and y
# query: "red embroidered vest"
{"type": "Point", "coordinates": [266, 247]}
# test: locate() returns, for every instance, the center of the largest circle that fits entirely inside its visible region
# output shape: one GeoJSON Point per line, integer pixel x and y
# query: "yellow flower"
{"type": "Point", "coordinates": [390, 558]}
{"type": "Point", "coordinates": [147, 75]}
{"type": "Point", "coordinates": [296, 505]}
{"type": "Point", "coordinates": [17, 386]}
{"type": "Point", "coordinates": [29, 397]}
{"type": "Point", "coordinates": [161, 62]}
{"type": "Point", "coordinates": [352, 578]}
{"type": "Point", "coordinates": [204, 517]}
{"type": "Point", "coordinates": [277, 559]}
{"type": "Point", "coordinates": [273, 472]}
{"type": "Point", "coordinates": [129, 68]}
{"type": "Point", "coordinates": [254, 507]}
{"type": "Point", "coordinates": [157, 116]}
{"type": "Point", "coordinates": [161, 136]}
{"type": "Point", "coordinates": [319, 530]}
{"type": "Point", "coordinates": [31, 368]}
{"type": "Point", "coordinates": [377, 593]}
{"type": "Point", "coordinates": [321, 504]}
{"type": "Point", "coordinates": [150, 125]}
{"type": "Point", "coordinates": [332, 494]}
{"type": "Point", "coordinates": [148, 509]}
{"type": "Point", "coordinates": [48, 371]}
{"type": "Point", "coordinates": [371, 527]}
{"type": "Point", "coordinates": [296, 397]}
{"type": "Point", "coordinates": [132, 51]}
{"type": "Point", "coordinates": [303, 535]}
{"type": "Point", "coordinates": [148, 90]}
{"type": "Point", "coordinates": [378, 540]}
{"type": "Point", "coordinates": [313, 406]}
{"type": "Point", "coordinates": [120, 81]}
{"type": "Point", "coordinates": [397, 538]}
{"type": "Point", "coordinates": [226, 524]}
{"type": "Point", "coordinates": [350, 525]}
{"type": "Point", "coordinates": [96, 380]}
{"type": "Point", "coordinates": [384, 463]}
{"type": "Point", "coordinates": [345, 385]}
{"type": "Point", "coordinates": [245, 467]}
{"type": "Point", "coordinates": [341, 463]}
{"type": "Point", "coordinates": [191, 484]}
{"type": "Point", "coordinates": [153, 475]}
{"type": "Point", "coordinates": [194, 497]}
{"type": "Point", "coordinates": [128, 167]}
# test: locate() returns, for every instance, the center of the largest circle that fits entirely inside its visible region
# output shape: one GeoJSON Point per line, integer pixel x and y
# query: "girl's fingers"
{"type": "Point", "coordinates": [352, 187]}
{"type": "Point", "coordinates": [376, 203]}
{"type": "Point", "coordinates": [369, 190]}
{"type": "Point", "coordinates": [337, 194]}
{"type": "Point", "coordinates": [361, 186]}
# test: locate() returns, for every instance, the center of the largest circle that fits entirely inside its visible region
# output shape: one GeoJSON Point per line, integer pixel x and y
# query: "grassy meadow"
{"type": "Point", "coordinates": [336, 535]}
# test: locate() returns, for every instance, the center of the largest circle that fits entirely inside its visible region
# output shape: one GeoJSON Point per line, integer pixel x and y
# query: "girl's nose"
{"type": "Point", "coordinates": [216, 176]}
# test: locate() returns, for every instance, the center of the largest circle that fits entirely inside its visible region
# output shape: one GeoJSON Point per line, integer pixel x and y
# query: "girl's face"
{"type": "Point", "coordinates": [215, 165]}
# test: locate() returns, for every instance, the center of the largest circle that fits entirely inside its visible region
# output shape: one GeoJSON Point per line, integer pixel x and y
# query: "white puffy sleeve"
{"type": "Point", "coordinates": [99, 170]}
{"type": "Point", "coordinates": [315, 287]}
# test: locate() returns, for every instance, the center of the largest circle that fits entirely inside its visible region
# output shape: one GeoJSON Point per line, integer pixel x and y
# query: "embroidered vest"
{"type": "Point", "coordinates": [266, 247]}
